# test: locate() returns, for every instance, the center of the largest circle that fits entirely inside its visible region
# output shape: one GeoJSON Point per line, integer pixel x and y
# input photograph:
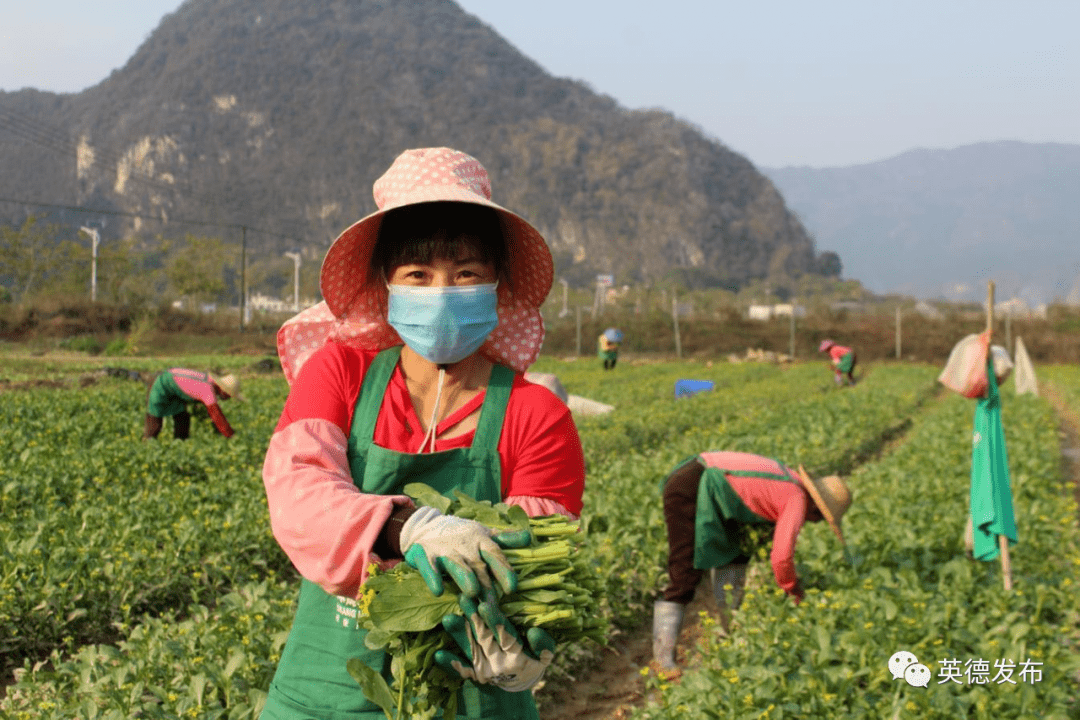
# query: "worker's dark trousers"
{"type": "Point", "coordinates": [181, 426]}
{"type": "Point", "coordinates": [680, 511]}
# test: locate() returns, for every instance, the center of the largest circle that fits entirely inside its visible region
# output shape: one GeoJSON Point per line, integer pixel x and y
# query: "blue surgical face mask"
{"type": "Point", "coordinates": [443, 324]}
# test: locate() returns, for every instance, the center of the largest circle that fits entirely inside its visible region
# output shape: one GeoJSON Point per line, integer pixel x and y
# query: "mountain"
{"type": "Point", "coordinates": [280, 115]}
{"type": "Point", "coordinates": [940, 223]}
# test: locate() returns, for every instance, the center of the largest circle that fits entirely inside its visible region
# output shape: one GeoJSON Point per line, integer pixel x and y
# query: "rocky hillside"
{"type": "Point", "coordinates": [279, 115]}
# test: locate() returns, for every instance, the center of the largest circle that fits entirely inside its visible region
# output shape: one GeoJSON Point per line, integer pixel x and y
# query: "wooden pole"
{"type": "Point", "coordinates": [1006, 565]}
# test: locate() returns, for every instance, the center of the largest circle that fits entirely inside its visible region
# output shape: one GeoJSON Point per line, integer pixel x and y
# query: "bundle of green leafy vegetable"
{"type": "Point", "coordinates": [557, 590]}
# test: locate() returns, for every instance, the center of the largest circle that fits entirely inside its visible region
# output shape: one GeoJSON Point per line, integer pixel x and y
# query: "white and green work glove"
{"type": "Point", "coordinates": [494, 648]}
{"type": "Point", "coordinates": [464, 549]}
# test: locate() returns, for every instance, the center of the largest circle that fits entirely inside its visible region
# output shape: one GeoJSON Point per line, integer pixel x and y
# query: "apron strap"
{"type": "Point", "coordinates": [492, 412]}
{"type": "Point", "coordinates": [366, 413]}
{"type": "Point", "coordinates": [786, 477]}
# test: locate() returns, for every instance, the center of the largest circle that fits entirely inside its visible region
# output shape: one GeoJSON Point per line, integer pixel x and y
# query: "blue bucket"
{"type": "Point", "coordinates": [686, 388]}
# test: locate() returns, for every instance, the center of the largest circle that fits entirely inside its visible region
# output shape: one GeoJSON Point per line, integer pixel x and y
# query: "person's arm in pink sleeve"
{"type": "Point", "coordinates": [538, 507]}
{"type": "Point", "coordinates": [785, 536]}
{"type": "Point", "coordinates": [325, 525]}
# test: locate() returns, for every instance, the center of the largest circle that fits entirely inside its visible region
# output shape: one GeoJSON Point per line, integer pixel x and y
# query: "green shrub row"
{"type": "Point", "coordinates": [149, 670]}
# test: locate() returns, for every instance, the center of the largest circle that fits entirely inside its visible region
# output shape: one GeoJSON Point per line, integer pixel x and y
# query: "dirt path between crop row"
{"type": "Point", "coordinates": [616, 686]}
{"type": "Point", "coordinates": [1069, 427]}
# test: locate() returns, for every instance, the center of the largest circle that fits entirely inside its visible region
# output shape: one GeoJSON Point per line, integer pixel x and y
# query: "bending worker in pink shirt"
{"type": "Point", "coordinates": [706, 499]}
{"type": "Point", "coordinates": [843, 361]}
{"type": "Point", "coordinates": [175, 388]}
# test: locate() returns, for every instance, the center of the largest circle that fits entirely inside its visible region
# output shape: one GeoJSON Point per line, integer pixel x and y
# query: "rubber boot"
{"type": "Point", "coordinates": [733, 574]}
{"type": "Point", "coordinates": [667, 620]}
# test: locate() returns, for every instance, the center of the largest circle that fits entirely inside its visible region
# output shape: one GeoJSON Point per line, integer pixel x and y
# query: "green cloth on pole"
{"type": "Point", "coordinates": [991, 496]}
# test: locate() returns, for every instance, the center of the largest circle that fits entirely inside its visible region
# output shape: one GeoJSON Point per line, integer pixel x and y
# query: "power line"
{"type": "Point", "coordinates": [57, 140]}
{"type": "Point", "coordinates": [121, 213]}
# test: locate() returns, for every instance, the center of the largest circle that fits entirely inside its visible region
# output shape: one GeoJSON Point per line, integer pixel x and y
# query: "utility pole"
{"type": "Point", "coordinates": [95, 238]}
{"type": "Point", "coordinates": [898, 335]}
{"type": "Point", "coordinates": [295, 256]}
{"type": "Point", "coordinates": [675, 322]}
{"type": "Point", "coordinates": [243, 276]}
{"type": "Point", "coordinates": [578, 353]}
{"type": "Point", "coordinates": [791, 331]}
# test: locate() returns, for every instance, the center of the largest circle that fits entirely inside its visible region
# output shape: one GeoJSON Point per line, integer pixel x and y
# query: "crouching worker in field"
{"type": "Point", "coordinates": [706, 500]}
{"type": "Point", "coordinates": [843, 361]}
{"type": "Point", "coordinates": [174, 389]}
{"type": "Point", "coordinates": [411, 370]}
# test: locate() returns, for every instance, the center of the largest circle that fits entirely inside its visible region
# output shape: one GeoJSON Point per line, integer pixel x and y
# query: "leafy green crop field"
{"type": "Point", "coordinates": [141, 579]}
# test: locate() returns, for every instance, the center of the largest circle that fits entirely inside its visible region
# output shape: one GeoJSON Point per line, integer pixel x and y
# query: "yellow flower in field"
{"type": "Point", "coordinates": [868, 625]}
{"type": "Point", "coordinates": [910, 706]}
{"type": "Point", "coordinates": [748, 699]}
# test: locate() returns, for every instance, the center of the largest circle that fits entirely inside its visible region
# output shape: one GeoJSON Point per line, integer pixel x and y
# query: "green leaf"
{"type": "Point", "coordinates": [374, 686]}
{"type": "Point", "coordinates": [890, 609]}
{"type": "Point", "coordinates": [234, 663]}
{"type": "Point", "coordinates": [406, 605]}
{"type": "Point", "coordinates": [198, 686]}
{"type": "Point", "coordinates": [824, 641]}
{"type": "Point", "coordinates": [428, 496]}
{"type": "Point", "coordinates": [518, 518]}
{"type": "Point", "coordinates": [378, 639]}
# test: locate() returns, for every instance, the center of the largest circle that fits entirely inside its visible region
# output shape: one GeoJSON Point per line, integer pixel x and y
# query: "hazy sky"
{"type": "Point", "coordinates": [784, 82]}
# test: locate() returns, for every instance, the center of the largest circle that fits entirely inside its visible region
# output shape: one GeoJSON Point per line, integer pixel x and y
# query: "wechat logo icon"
{"type": "Point", "coordinates": [905, 666]}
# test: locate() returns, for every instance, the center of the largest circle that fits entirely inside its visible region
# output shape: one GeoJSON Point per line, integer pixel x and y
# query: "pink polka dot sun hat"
{"type": "Point", "coordinates": [353, 311]}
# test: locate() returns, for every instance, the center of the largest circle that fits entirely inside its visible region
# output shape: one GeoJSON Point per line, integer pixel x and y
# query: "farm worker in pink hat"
{"type": "Point", "coordinates": [706, 499]}
{"type": "Point", "coordinates": [412, 371]}
{"type": "Point", "coordinates": [174, 389]}
{"type": "Point", "coordinates": [843, 361]}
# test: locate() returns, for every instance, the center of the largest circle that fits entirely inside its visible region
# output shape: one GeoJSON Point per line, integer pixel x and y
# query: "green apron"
{"type": "Point", "coordinates": [166, 398]}
{"type": "Point", "coordinates": [312, 682]}
{"type": "Point", "coordinates": [846, 362]}
{"type": "Point", "coordinates": [719, 507]}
